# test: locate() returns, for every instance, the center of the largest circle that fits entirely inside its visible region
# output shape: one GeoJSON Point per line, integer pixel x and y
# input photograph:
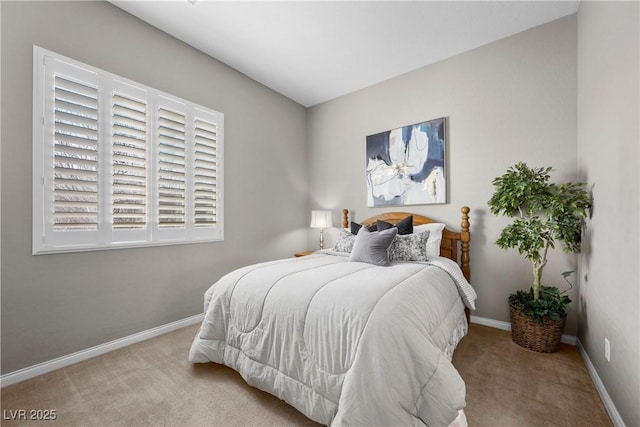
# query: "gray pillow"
{"type": "Point", "coordinates": [409, 247]}
{"type": "Point", "coordinates": [373, 247]}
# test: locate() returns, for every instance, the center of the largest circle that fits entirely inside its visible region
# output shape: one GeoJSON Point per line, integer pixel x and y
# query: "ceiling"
{"type": "Point", "coordinates": [314, 51]}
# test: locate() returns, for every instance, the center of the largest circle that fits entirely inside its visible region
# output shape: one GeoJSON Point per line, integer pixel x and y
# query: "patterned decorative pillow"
{"type": "Point", "coordinates": [345, 241]}
{"type": "Point", "coordinates": [435, 238]}
{"type": "Point", "coordinates": [409, 247]}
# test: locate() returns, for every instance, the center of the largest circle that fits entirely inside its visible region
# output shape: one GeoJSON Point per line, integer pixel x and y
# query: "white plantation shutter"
{"type": "Point", "coordinates": [129, 162]}
{"type": "Point", "coordinates": [118, 164]}
{"type": "Point", "coordinates": [205, 172]}
{"type": "Point", "coordinates": [75, 154]}
{"type": "Point", "coordinates": [172, 168]}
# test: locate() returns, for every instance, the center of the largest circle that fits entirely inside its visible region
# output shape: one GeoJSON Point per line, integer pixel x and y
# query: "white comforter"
{"type": "Point", "coordinates": [345, 343]}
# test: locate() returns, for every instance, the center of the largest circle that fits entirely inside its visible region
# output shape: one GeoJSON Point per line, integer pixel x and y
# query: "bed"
{"type": "Point", "coordinates": [347, 341]}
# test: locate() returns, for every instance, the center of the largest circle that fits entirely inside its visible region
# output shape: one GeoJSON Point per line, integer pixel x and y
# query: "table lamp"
{"type": "Point", "coordinates": [321, 220]}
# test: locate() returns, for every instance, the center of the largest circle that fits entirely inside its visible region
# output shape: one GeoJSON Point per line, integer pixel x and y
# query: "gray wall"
{"type": "Point", "coordinates": [512, 100]}
{"type": "Point", "coordinates": [608, 135]}
{"type": "Point", "coordinates": [53, 305]}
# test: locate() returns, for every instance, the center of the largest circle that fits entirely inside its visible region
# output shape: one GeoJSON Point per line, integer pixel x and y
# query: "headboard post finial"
{"type": "Point", "coordinates": [345, 218]}
{"type": "Point", "coordinates": [465, 237]}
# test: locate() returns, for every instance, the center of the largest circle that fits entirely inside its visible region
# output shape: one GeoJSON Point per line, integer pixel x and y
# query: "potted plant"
{"type": "Point", "coordinates": [543, 213]}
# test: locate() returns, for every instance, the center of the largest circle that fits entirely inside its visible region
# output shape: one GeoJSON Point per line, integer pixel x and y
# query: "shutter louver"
{"type": "Point", "coordinates": [171, 169]}
{"type": "Point", "coordinates": [75, 179]}
{"type": "Point", "coordinates": [205, 172]}
{"type": "Point", "coordinates": [129, 145]}
{"type": "Point", "coordinates": [118, 164]}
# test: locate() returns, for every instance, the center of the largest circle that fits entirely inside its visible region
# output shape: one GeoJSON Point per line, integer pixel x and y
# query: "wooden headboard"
{"type": "Point", "coordinates": [452, 242]}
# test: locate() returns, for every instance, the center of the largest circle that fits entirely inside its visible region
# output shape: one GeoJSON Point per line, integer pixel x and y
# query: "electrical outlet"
{"type": "Point", "coordinates": [607, 350]}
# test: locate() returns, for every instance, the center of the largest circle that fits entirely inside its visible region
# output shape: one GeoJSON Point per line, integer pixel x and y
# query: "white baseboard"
{"type": "Point", "coordinates": [616, 419]}
{"type": "Point", "coordinates": [506, 326]}
{"type": "Point", "coordinates": [61, 362]}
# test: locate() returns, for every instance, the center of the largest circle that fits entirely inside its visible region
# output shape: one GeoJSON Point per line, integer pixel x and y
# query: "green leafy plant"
{"type": "Point", "coordinates": [543, 213]}
{"type": "Point", "coordinates": [552, 303]}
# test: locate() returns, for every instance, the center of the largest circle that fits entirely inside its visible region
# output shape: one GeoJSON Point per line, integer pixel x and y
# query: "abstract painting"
{"type": "Point", "coordinates": [406, 166]}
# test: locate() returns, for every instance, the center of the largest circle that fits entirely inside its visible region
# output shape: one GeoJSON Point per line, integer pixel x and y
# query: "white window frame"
{"type": "Point", "coordinates": [46, 239]}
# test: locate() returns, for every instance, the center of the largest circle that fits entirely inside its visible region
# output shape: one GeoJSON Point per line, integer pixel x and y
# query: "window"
{"type": "Point", "coordinates": [118, 164]}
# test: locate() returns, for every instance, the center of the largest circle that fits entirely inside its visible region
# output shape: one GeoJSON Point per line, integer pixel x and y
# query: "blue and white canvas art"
{"type": "Point", "coordinates": [406, 166]}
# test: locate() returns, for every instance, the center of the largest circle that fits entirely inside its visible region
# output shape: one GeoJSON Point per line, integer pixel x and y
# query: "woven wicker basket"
{"type": "Point", "coordinates": [527, 333]}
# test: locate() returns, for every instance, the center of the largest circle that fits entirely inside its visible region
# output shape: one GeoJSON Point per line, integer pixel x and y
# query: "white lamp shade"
{"type": "Point", "coordinates": [321, 219]}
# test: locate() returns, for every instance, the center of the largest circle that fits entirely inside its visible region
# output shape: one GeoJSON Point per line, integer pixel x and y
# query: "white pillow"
{"type": "Point", "coordinates": [435, 237]}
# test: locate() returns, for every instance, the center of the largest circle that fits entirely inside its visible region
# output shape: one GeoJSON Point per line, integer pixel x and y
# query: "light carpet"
{"type": "Point", "coordinates": [152, 384]}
